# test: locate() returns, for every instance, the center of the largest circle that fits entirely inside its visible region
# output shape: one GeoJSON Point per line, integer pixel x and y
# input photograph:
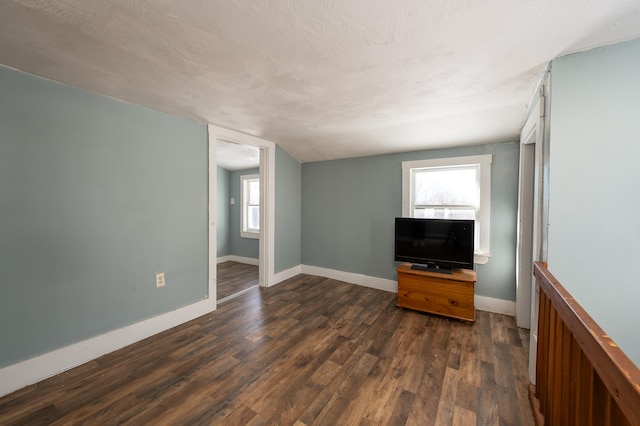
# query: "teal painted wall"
{"type": "Point", "coordinates": [348, 209]}
{"type": "Point", "coordinates": [238, 246]}
{"type": "Point", "coordinates": [96, 197]}
{"type": "Point", "coordinates": [288, 211]}
{"type": "Point", "coordinates": [594, 233]}
{"type": "Point", "coordinates": [222, 211]}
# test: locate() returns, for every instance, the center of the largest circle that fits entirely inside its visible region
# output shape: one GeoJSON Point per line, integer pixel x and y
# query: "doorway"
{"type": "Point", "coordinates": [238, 212]}
{"type": "Point", "coordinates": [256, 265]}
{"type": "Point", "coordinates": [532, 236]}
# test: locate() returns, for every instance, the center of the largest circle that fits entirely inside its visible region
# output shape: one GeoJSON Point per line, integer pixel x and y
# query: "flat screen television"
{"type": "Point", "coordinates": [434, 244]}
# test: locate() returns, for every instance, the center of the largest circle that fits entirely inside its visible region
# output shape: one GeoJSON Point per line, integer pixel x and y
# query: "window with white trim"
{"type": "Point", "coordinates": [451, 188]}
{"type": "Point", "coordinates": [250, 200]}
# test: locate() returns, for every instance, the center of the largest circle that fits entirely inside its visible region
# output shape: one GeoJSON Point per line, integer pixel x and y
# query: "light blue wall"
{"type": "Point", "coordinates": [349, 206]}
{"type": "Point", "coordinates": [238, 246]}
{"type": "Point", "coordinates": [594, 232]}
{"type": "Point", "coordinates": [288, 211]}
{"type": "Point", "coordinates": [96, 197]}
{"type": "Point", "coordinates": [222, 211]}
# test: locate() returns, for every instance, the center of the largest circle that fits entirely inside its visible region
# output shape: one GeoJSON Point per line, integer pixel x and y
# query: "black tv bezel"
{"type": "Point", "coordinates": [432, 264]}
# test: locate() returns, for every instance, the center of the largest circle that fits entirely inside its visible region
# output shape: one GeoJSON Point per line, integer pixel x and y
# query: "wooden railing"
{"type": "Point", "coordinates": [582, 376]}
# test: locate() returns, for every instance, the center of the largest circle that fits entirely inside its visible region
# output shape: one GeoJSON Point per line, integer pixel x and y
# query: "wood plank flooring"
{"type": "Point", "coordinates": [234, 277]}
{"type": "Point", "coordinates": [309, 351]}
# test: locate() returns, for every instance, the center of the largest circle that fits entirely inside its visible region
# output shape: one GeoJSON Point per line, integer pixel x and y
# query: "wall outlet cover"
{"type": "Point", "coordinates": [160, 279]}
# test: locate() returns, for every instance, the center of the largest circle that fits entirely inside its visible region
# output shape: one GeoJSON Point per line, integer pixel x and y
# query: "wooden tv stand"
{"type": "Point", "coordinates": [451, 295]}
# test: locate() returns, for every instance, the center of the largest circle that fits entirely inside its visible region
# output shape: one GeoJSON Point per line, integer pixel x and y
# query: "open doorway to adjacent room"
{"type": "Point", "coordinates": [533, 210]}
{"type": "Point", "coordinates": [238, 218]}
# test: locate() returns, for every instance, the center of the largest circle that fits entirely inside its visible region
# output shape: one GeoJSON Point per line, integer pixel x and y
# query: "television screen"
{"type": "Point", "coordinates": [435, 244]}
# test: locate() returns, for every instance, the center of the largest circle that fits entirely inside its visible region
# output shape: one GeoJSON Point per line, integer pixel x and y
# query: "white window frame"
{"type": "Point", "coordinates": [483, 219]}
{"type": "Point", "coordinates": [246, 232]}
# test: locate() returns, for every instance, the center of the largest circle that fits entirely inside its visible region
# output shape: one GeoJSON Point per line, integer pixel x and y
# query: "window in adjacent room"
{"type": "Point", "coordinates": [250, 206]}
{"type": "Point", "coordinates": [451, 188]}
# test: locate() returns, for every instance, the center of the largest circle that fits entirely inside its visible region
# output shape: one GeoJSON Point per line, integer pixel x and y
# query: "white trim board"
{"type": "Point", "coordinates": [353, 278]}
{"type": "Point", "coordinates": [482, 303]}
{"type": "Point", "coordinates": [267, 197]}
{"type": "Point", "coordinates": [33, 370]}
{"type": "Point", "coordinates": [239, 259]}
{"type": "Point", "coordinates": [497, 306]}
{"type": "Point", "coordinates": [287, 273]}
{"type": "Point", "coordinates": [240, 293]}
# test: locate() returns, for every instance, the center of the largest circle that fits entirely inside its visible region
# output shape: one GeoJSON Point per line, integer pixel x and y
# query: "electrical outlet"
{"type": "Point", "coordinates": [233, 201]}
{"type": "Point", "coordinates": [160, 279]}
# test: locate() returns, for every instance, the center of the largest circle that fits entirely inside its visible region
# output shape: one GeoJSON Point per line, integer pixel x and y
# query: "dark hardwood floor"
{"type": "Point", "coordinates": [309, 351]}
{"type": "Point", "coordinates": [234, 277]}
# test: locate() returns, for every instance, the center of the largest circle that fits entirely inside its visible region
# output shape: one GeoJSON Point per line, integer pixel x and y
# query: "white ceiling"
{"type": "Point", "coordinates": [324, 79]}
{"type": "Point", "coordinates": [233, 156]}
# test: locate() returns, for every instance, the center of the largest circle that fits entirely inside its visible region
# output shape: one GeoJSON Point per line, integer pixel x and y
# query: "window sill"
{"type": "Point", "coordinates": [481, 258]}
{"type": "Point", "coordinates": [254, 235]}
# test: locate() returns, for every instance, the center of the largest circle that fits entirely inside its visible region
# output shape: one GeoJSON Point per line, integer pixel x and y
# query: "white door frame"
{"type": "Point", "coordinates": [524, 258]}
{"type": "Point", "coordinates": [267, 200]}
{"type": "Point", "coordinates": [213, 233]}
{"type": "Point", "coordinates": [528, 207]}
{"type": "Point", "coordinates": [532, 205]}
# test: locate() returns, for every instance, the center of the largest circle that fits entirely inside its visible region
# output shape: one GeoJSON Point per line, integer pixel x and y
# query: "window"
{"type": "Point", "coordinates": [250, 206]}
{"type": "Point", "coordinates": [451, 188]}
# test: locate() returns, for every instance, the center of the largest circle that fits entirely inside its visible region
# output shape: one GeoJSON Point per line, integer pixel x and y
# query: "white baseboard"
{"type": "Point", "coordinates": [33, 370]}
{"type": "Point", "coordinates": [353, 278]}
{"type": "Point", "coordinates": [286, 274]}
{"type": "Point", "coordinates": [482, 303]}
{"type": "Point", "coordinates": [239, 259]}
{"type": "Point", "coordinates": [497, 306]}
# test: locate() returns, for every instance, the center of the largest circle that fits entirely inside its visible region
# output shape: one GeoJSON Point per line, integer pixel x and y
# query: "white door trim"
{"type": "Point", "coordinates": [267, 198]}
{"type": "Point", "coordinates": [213, 235]}
{"type": "Point", "coordinates": [524, 258]}
{"type": "Point", "coordinates": [532, 240]}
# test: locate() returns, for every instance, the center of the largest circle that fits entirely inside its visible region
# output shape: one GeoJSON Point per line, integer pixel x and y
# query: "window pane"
{"type": "Point", "coordinates": [254, 192]}
{"type": "Point", "coordinates": [446, 186]}
{"type": "Point", "coordinates": [253, 217]}
{"type": "Point", "coordinates": [445, 213]}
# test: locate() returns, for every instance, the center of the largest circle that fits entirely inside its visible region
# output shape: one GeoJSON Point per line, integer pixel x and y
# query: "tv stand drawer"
{"type": "Point", "coordinates": [451, 295]}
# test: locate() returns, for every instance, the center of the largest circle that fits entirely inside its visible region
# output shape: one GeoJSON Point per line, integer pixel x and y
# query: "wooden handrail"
{"type": "Point", "coordinates": [619, 374]}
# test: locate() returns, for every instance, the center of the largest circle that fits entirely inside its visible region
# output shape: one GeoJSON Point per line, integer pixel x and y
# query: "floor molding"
{"type": "Point", "coordinates": [353, 278]}
{"type": "Point", "coordinates": [497, 306]}
{"type": "Point", "coordinates": [234, 295]}
{"type": "Point", "coordinates": [287, 274]}
{"type": "Point", "coordinates": [33, 370]}
{"type": "Point", "coordinates": [298, 330]}
{"type": "Point", "coordinates": [239, 259]}
{"type": "Point", "coordinates": [482, 303]}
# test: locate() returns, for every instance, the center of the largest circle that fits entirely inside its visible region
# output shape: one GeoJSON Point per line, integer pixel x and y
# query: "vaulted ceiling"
{"type": "Point", "coordinates": [324, 79]}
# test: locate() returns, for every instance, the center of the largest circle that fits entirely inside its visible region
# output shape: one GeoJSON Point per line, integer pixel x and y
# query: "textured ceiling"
{"type": "Point", "coordinates": [233, 156]}
{"type": "Point", "coordinates": [323, 79]}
